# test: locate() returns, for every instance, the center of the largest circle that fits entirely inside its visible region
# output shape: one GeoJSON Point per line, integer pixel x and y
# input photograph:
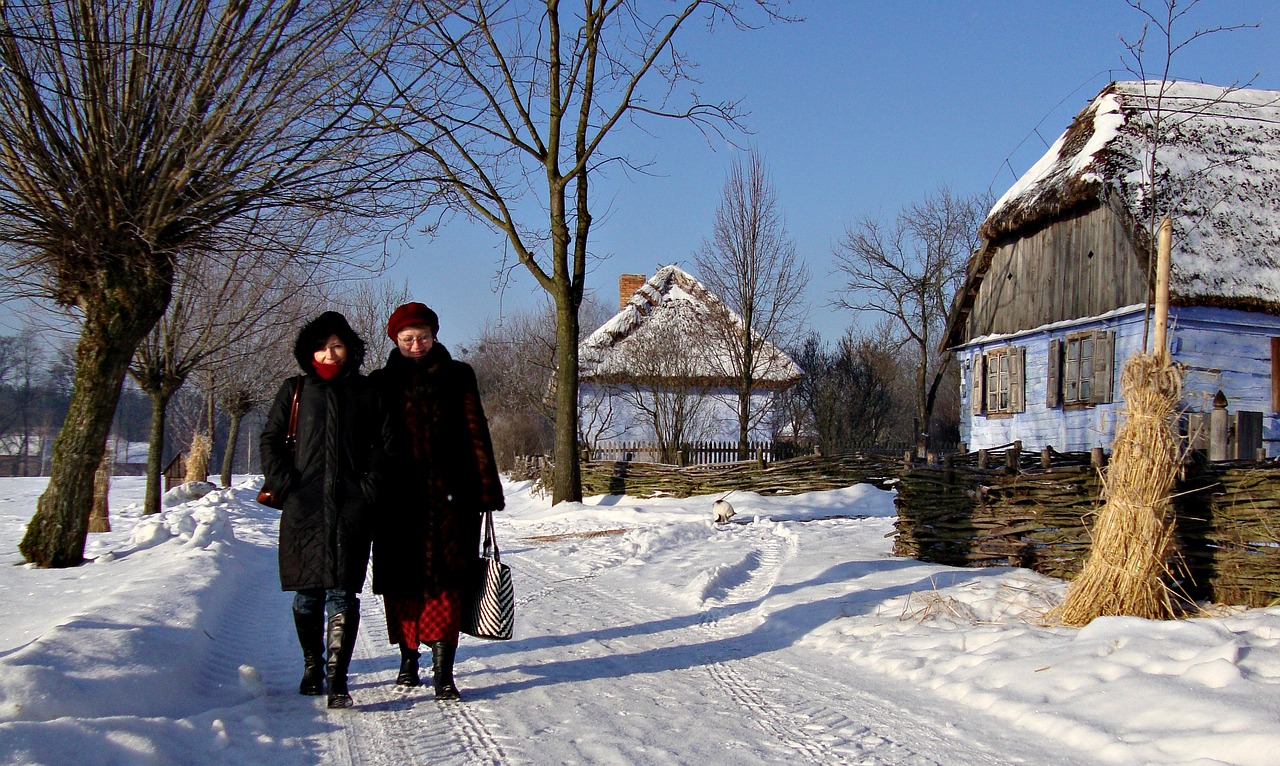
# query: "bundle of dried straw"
{"type": "Point", "coordinates": [1128, 565]}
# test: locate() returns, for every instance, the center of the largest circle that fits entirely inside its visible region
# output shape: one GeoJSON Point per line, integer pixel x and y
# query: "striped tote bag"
{"type": "Point", "coordinates": [492, 612]}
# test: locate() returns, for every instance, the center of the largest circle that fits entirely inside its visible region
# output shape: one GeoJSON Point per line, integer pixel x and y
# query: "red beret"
{"type": "Point", "coordinates": [411, 315]}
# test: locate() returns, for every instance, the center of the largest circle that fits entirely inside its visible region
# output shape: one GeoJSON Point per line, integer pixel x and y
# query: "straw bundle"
{"type": "Point", "coordinates": [1125, 573]}
{"type": "Point", "coordinates": [198, 459]}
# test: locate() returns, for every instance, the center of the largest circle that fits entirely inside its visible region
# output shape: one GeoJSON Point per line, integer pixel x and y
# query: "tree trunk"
{"type": "Point", "coordinates": [229, 451]}
{"type": "Point", "coordinates": [747, 382]}
{"type": "Point", "coordinates": [115, 321]}
{"type": "Point", "coordinates": [567, 471]}
{"type": "Point", "coordinates": [99, 517]}
{"type": "Point", "coordinates": [155, 449]}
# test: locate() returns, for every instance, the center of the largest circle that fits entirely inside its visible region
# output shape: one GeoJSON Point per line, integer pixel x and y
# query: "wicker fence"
{"type": "Point", "coordinates": [1010, 507]}
{"type": "Point", "coordinates": [1037, 515]}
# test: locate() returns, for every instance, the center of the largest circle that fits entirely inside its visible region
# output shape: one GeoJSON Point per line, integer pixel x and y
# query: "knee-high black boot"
{"type": "Point", "coordinates": [342, 642]}
{"type": "Point", "coordinates": [310, 629]}
{"type": "Point", "coordinates": [408, 667]}
{"type": "Point", "coordinates": [442, 654]}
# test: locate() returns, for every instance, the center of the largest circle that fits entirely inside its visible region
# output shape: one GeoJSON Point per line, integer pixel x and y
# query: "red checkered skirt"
{"type": "Point", "coordinates": [415, 620]}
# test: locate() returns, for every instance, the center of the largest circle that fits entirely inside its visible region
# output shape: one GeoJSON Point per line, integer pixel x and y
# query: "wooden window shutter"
{"type": "Point", "coordinates": [1017, 381]}
{"type": "Point", "coordinates": [1275, 374]}
{"type": "Point", "coordinates": [1053, 383]}
{"type": "Point", "coordinates": [1104, 349]}
{"type": "Point", "coordinates": [979, 377]}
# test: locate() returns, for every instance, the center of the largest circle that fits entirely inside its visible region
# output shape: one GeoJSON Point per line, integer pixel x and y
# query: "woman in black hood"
{"type": "Point", "coordinates": [328, 479]}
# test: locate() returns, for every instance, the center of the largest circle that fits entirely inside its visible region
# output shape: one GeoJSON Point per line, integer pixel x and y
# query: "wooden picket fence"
{"type": "Point", "coordinates": [695, 453]}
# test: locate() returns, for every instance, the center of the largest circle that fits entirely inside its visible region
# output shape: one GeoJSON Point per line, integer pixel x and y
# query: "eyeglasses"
{"type": "Point", "coordinates": [409, 341]}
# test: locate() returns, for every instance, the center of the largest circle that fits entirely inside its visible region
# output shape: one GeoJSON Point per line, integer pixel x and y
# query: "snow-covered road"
{"type": "Point", "coordinates": [606, 670]}
{"type": "Point", "coordinates": [646, 634]}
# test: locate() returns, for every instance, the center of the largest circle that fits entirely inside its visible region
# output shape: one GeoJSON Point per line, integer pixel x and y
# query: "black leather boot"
{"type": "Point", "coordinates": [408, 667]}
{"type": "Point", "coordinates": [310, 629]}
{"type": "Point", "coordinates": [342, 642]}
{"type": "Point", "coordinates": [442, 654]}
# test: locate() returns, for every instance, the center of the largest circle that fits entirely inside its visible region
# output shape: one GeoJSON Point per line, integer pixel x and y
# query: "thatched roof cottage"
{"type": "Point", "coordinates": [668, 354]}
{"type": "Point", "coordinates": [1055, 299]}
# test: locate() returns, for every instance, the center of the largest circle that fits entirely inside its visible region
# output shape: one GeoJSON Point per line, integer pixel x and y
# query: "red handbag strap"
{"type": "Point", "coordinates": [291, 436]}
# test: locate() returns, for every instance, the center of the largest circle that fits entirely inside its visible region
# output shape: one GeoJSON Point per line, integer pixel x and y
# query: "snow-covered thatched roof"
{"type": "Point", "coordinates": [1217, 166]}
{"type": "Point", "coordinates": [672, 310]}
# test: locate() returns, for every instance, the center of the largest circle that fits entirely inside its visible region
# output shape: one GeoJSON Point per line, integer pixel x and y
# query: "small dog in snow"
{"type": "Point", "coordinates": [722, 511]}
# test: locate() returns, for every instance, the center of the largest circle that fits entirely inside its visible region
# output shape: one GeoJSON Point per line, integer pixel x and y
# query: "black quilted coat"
{"type": "Point", "coordinates": [428, 531]}
{"type": "Point", "coordinates": [330, 484]}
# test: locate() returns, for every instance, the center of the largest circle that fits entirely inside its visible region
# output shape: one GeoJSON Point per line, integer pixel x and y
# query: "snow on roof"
{"type": "Point", "coordinates": [1218, 171]}
{"type": "Point", "coordinates": [683, 311]}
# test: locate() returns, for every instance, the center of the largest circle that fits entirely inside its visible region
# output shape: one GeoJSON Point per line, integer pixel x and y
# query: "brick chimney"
{"type": "Point", "coordinates": [627, 286]}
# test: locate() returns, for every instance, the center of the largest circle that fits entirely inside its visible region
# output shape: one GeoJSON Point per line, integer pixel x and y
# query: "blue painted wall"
{"type": "Point", "coordinates": [1220, 349]}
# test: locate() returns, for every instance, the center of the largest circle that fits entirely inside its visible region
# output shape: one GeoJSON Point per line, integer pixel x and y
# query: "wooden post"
{"type": "Point", "coordinates": [949, 464]}
{"type": "Point", "coordinates": [1163, 246]}
{"type": "Point", "coordinates": [1046, 456]}
{"type": "Point", "coordinates": [1011, 456]}
{"type": "Point", "coordinates": [1096, 457]}
{"type": "Point", "coordinates": [906, 459]}
{"type": "Point", "coordinates": [983, 457]}
{"type": "Point", "coordinates": [1218, 428]}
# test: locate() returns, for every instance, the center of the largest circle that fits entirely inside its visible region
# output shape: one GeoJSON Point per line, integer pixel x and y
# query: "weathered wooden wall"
{"type": "Point", "coordinates": [1081, 266]}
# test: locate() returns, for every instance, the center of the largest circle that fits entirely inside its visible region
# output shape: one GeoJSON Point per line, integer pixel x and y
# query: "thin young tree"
{"type": "Point", "coordinates": [513, 120]}
{"type": "Point", "coordinates": [668, 384]}
{"type": "Point", "coordinates": [133, 130]}
{"type": "Point", "coordinates": [908, 271]}
{"type": "Point", "coordinates": [750, 263]}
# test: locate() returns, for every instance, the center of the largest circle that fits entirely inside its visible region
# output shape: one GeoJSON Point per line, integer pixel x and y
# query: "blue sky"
{"type": "Point", "coordinates": [859, 109]}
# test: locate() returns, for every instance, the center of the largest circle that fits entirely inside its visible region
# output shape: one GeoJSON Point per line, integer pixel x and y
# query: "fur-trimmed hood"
{"type": "Point", "coordinates": [317, 331]}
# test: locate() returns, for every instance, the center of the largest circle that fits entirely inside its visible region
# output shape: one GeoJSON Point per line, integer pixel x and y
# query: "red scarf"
{"type": "Point", "coordinates": [327, 371]}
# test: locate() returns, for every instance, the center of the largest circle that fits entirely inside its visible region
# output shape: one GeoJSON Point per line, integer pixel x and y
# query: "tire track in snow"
{"type": "Point", "coordinates": [806, 716]}
{"type": "Point", "coordinates": [812, 736]}
{"type": "Point", "coordinates": [392, 726]}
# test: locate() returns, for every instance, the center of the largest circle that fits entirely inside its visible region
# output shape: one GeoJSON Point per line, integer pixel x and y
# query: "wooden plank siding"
{"type": "Point", "coordinates": [1229, 351]}
{"type": "Point", "coordinates": [1220, 349]}
{"type": "Point", "coordinates": [1082, 266]}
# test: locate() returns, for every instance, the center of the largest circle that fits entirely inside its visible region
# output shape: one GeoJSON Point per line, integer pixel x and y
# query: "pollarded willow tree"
{"type": "Point", "coordinates": [133, 130]}
{"type": "Point", "coordinates": [238, 291]}
{"type": "Point", "coordinates": [513, 117]}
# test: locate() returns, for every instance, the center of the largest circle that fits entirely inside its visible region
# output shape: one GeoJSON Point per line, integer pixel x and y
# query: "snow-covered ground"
{"type": "Point", "coordinates": [647, 634]}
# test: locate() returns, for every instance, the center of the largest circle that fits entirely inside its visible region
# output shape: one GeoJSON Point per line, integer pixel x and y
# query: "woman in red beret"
{"type": "Point", "coordinates": [428, 535]}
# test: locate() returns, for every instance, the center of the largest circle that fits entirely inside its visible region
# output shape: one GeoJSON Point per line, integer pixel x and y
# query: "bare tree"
{"type": "Point", "coordinates": [750, 263]}
{"type": "Point", "coordinates": [667, 383]}
{"type": "Point", "coordinates": [845, 401]}
{"type": "Point", "coordinates": [515, 362]}
{"type": "Point", "coordinates": [135, 129]}
{"type": "Point", "coordinates": [519, 102]}
{"type": "Point", "coordinates": [367, 306]}
{"type": "Point", "coordinates": [214, 309]}
{"type": "Point", "coordinates": [1162, 194]}
{"type": "Point", "coordinates": [908, 271]}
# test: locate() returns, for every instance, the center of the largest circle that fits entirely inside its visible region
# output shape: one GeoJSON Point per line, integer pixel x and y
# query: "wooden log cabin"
{"type": "Point", "coordinates": [1056, 297]}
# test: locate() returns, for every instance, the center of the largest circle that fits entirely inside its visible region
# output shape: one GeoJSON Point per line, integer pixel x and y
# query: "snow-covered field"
{"type": "Point", "coordinates": [647, 634]}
